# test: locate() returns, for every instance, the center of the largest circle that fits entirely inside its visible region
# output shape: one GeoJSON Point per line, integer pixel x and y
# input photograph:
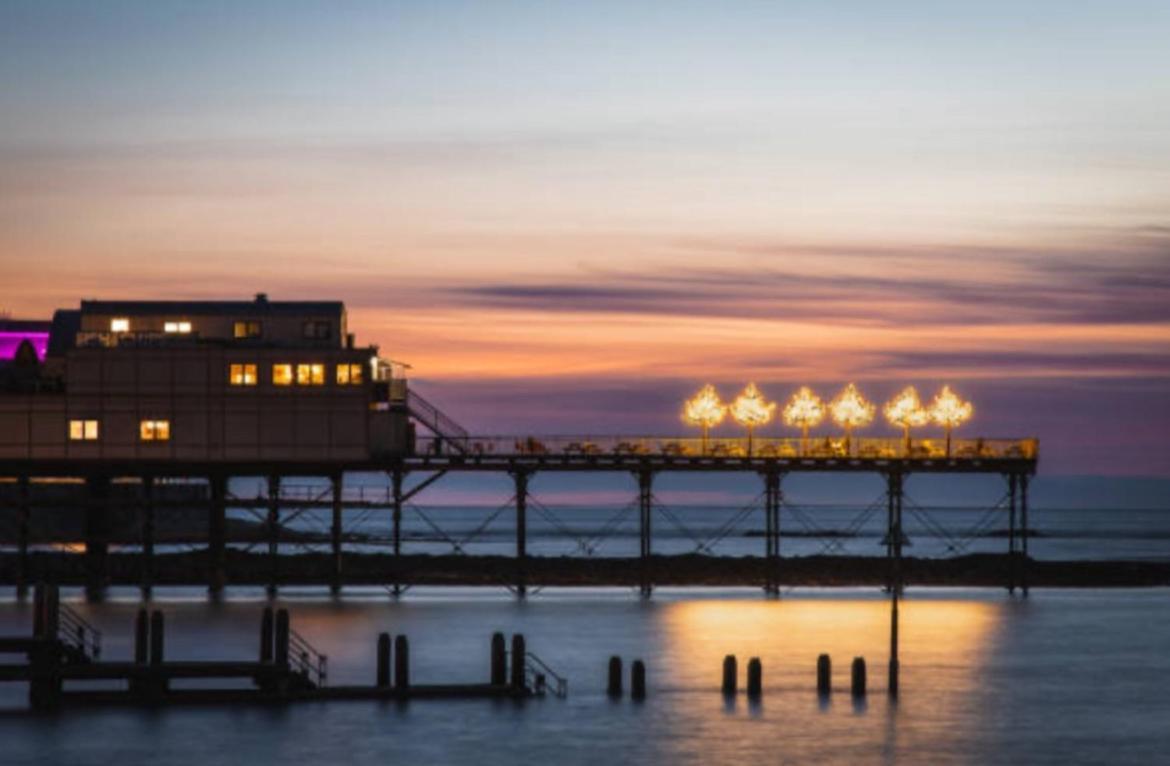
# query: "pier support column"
{"type": "Point", "coordinates": [895, 665]}
{"type": "Point", "coordinates": [396, 477]}
{"type": "Point", "coordinates": [1024, 563]}
{"type": "Point", "coordinates": [217, 535]}
{"type": "Point", "coordinates": [335, 532]}
{"type": "Point", "coordinates": [520, 477]}
{"type": "Point", "coordinates": [1011, 573]}
{"type": "Point", "coordinates": [645, 512]}
{"type": "Point", "coordinates": [22, 562]}
{"type": "Point", "coordinates": [97, 537]}
{"type": "Point", "coordinates": [147, 509]}
{"type": "Point", "coordinates": [772, 498]}
{"type": "Point", "coordinates": [896, 481]}
{"type": "Point", "coordinates": [273, 528]}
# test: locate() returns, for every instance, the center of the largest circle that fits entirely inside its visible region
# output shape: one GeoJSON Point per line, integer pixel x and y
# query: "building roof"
{"type": "Point", "coordinates": [260, 306]}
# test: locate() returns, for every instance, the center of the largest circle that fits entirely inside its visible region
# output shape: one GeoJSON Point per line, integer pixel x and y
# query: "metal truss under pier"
{"type": "Point", "coordinates": [520, 458]}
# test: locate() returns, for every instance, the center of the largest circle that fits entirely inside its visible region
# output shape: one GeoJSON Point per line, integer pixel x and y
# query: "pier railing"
{"type": "Point", "coordinates": [875, 448]}
{"type": "Point", "coordinates": [74, 631]}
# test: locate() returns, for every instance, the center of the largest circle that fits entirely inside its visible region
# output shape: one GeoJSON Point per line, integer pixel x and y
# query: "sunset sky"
{"type": "Point", "coordinates": [568, 216]}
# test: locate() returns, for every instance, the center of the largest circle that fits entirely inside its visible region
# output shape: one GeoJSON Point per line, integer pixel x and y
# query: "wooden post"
{"type": "Point", "coordinates": [858, 679]}
{"type": "Point", "coordinates": [281, 644]}
{"type": "Point", "coordinates": [520, 477]}
{"type": "Point", "coordinates": [892, 686]}
{"type": "Point", "coordinates": [396, 518]}
{"type": "Point", "coordinates": [645, 515]}
{"type": "Point", "coordinates": [1011, 534]}
{"type": "Point", "coordinates": [337, 486]}
{"type": "Point", "coordinates": [383, 672]}
{"type": "Point", "coordinates": [39, 594]}
{"type": "Point", "coordinates": [613, 686]}
{"type": "Point", "coordinates": [730, 675]}
{"type": "Point", "coordinates": [157, 637]}
{"type": "Point", "coordinates": [755, 678]}
{"type": "Point", "coordinates": [267, 634]}
{"type": "Point", "coordinates": [217, 535]}
{"type": "Point", "coordinates": [638, 680]}
{"type": "Point", "coordinates": [401, 663]}
{"type": "Point", "coordinates": [142, 637]}
{"type": "Point", "coordinates": [97, 539]}
{"type": "Point", "coordinates": [499, 660]}
{"type": "Point", "coordinates": [519, 661]}
{"type": "Point", "coordinates": [147, 536]}
{"type": "Point", "coordinates": [1024, 533]}
{"type": "Point", "coordinates": [22, 535]}
{"type": "Point", "coordinates": [772, 499]}
{"type": "Point", "coordinates": [273, 528]}
{"type": "Point", "coordinates": [52, 623]}
{"type": "Point", "coordinates": [824, 675]}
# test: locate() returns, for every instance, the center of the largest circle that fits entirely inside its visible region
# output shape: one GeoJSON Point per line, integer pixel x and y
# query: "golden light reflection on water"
{"type": "Point", "coordinates": [943, 644]}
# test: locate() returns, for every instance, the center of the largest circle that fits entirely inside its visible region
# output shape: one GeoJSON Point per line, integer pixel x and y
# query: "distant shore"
{"type": "Point", "coordinates": [249, 568]}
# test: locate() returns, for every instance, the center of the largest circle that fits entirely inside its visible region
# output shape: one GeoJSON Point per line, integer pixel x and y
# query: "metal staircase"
{"type": "Point", "coordinates": [306, 661]}
{"type": "Point", "coordinates": [445, 429]}
{"type": "Point", "coordinates": [80, 641]}
{"type": "Point", "coordinates": [537, 675]}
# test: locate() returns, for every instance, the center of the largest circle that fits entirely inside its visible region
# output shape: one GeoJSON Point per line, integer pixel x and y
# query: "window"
{"type": "Point", "coordinates": [310, 374]}
{"type": "Point", "coordinates": [242, 374]}
{"type": "Point", "coordinates": [247, 329]}
{"type": "Point", "coordinates": [179, 327]}
{"type": "Point", "coordinates": [282, 375]}
{"type": "Point", "coordinates": [83, 430]}
{"type": "Point", "coordinates": [316, 329]}
{"type": "Point", "coordinates": [154, 430]}
{"type": "Point", "coordinates": [349, 374]}
{"type": "Point", "coordinates": [120, 324]}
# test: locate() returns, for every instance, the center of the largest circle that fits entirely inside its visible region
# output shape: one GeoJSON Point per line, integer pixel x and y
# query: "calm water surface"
{"type": "Point", "coordinates": [1066, 676]}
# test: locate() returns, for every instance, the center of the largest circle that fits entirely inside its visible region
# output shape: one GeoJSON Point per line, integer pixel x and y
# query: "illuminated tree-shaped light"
{"type": "Point", "coordinates": [704, 410]}
{"type": "Point", "coordinates": [751, 410]}
{"type": "Point", "coordinates": [804, 410]}
{"type": "Point", "coordinates": [948, 411]}
{"type": "Point", "coordinates": [905, 411]}
{"type": "Point", "coordinates": [851, 410]}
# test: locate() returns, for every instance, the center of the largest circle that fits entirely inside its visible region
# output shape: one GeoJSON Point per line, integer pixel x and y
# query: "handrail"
{"type": "Point", "coordinates": [538, 670]}
{"type": "Point", "coordinates": [306, 660]}
{"type": "Point", "coordinates": [837, 447]}
{"type": "Point", "coordinates": [74, 631]}
{"type": "Point", "coordinates": [438, 423]}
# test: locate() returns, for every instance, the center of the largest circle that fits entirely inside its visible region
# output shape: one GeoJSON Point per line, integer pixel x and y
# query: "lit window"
{"type": "Point", "coordinates": [154, 430]}
{"type": "Point", "coordinates": [318, 330]}
{"type": "Point", "coordinates": [121, 324]}
{"type": "Point", "coordinates": [242, 374]}
{"type": "Point", "coordinates": [282, 375]}
{"type": "Point", "coordinates": [310, 374]}
{"type": "Point", "coordinates": [83, 430]}
{"type": "Point", "coordinates": [179, 327]}
{"type": "Point", "coordinates": [349, 374]}
{"type": "Point", "coordinates": [247, 329]}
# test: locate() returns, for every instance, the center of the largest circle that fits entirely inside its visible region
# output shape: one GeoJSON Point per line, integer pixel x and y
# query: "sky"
{"type": "Point", "coordinates": [568, 216]}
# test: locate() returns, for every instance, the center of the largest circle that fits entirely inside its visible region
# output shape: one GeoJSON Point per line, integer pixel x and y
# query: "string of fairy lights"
{"type": "Point", "coordinates": [849, 409]}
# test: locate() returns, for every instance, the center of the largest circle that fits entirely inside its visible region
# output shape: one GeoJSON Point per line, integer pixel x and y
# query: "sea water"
{"type": "Point", "coordinates": [1064, 676]}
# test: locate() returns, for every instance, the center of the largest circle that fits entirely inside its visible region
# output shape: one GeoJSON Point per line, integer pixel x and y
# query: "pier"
{"type": "Point", "coordinates": [140, 484]}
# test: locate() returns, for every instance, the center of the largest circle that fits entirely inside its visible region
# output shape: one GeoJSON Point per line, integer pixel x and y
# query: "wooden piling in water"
{"type": "Point", "coordinates": [52, 607]}
{"type": "Point", "coordinates": [499, 674]}
{"type": "Point", "coordinates": [755, 678]}
{"type": "Point", "coordinates": [824, 675]}
{"type": "Point", "coordinates": [280, 645]}
{"type": "Point", "coordinates": [157, 637]}
{"type": "Point", "coordinates": [267, 634]}
{"type": "Point", "coordinates": [38, 610]}
{"type": "Point", "coordinates": [401, 663]}
{"type": "Point", "coordinates": [382, 677]}
{"type": "Point", "coordinates": [638, 680]}
{"type": "Point", "coordinates": [613, 685]}
{"type": "Point", "coordinates": [519, 656]}
{"type": "Point", "coordinates": [858, 679]}
{"type": "Point", "coordinates": [730, 675]}
{"type": "Point", "coordinates": [142, 637]}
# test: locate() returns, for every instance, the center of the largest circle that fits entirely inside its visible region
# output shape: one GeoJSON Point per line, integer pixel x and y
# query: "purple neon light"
{"type": "Point", "coordinates": [11, 340]}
